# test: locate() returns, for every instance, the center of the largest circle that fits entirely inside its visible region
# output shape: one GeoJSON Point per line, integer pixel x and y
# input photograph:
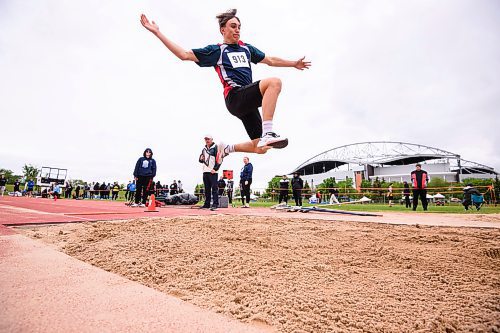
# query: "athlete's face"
{"type": "Point", "coordinates": [231, 31]}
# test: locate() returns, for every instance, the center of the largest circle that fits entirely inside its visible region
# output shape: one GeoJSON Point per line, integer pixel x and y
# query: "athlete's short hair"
{"type": "Point", "coordinates": [226, 16]}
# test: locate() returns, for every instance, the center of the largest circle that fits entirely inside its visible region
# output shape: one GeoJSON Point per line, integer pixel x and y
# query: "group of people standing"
{"type": "Point", "coordinates": [297, 187]}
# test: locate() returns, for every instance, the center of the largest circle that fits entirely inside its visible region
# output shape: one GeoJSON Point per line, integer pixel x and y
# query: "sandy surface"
{"type": "Point", "coordinates": [301, 275]}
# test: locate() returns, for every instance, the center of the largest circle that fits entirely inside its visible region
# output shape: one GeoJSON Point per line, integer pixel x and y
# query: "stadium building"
{"type": "Point", "coordinates": [392, 161]}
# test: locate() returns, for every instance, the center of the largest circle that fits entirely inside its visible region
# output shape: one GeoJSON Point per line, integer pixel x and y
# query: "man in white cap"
{"type": "Point", "coordinates": [208, 158]}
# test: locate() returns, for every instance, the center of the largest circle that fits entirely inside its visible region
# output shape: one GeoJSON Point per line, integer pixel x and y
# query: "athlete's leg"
{"type": "Point", "coordinates": [270, 90]}
{"type": "Point", "coordinates": [250, 147]}
{"type": "Point", "coordinates": [253, 125]}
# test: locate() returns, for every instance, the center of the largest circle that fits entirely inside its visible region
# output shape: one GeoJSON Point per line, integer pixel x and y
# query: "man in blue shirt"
{"type": "Point", "coordinates": [232, 61]}
{"type": "Point", "coordinates": [245, 182]}
{"type": "Point", "coordinates": [29, 188]}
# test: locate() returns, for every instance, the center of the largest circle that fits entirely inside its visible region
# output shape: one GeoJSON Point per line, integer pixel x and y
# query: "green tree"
{"type": "Point", "coordinates": [346, 186]}
{"type": "Point", "coordinates": [272, 187]}
{"type": "Point", "coordinates": [377, 185]}
{"type": "Point", "coordinates": [438, 182]}
{"type": "Point", "coordinates": [327, 184]}
{"type": "Point", "coordinates": [307, 189]}
{"type": "Point", "coordinates": [30, 172]}
{"type": "Point", "coordinates": [9, 174]}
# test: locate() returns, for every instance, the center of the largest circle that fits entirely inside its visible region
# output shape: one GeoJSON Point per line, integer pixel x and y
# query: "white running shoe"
{"type": "Point", "coordinates": [271, 139]}
{"type": "Point", "coordinates": [222, 151]}
{"type": "Point", "coordinates": [142, 205]}
{"type": "Point", "coordinates": [134, 205]}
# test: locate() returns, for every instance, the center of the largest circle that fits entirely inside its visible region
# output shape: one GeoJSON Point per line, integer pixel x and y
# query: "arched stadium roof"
{"type": "Point", "coordinates": [384, 153]}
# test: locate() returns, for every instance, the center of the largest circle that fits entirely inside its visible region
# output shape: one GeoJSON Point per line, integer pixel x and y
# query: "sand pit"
{"type": "Point", "coordinates": [297, 275]}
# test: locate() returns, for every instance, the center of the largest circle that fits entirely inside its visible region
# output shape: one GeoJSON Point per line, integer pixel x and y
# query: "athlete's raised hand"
{"type": "Point", "coordinates": [151, 26]}
{"type": "Point", "coordinates": [301, 64]}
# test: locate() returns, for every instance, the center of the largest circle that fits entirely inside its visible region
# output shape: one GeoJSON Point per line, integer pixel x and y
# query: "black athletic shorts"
{"type": "Point", "coordinates": [244, 103]}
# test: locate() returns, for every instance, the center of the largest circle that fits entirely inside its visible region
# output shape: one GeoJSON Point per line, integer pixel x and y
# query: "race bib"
{"type": "Point", "coordinates": [145, 164]}
{"type": "Point", "coordinates": [238, 59]}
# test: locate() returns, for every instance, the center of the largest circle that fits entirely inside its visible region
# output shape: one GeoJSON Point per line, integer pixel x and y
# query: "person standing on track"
{"type": "Point", "coordinates": [144, 172]}
{"type": "Point", "coordinates": [3, 183]}
{"type": "Point", "coordinates": [232, 61]}
{"type": "Point", "coordinates": [284, 186]}
{"type": "Point", "coordinates": [419, 178]}
{"type": "Point", "coordinates": [245, 182]}
{"type": "Point", "coordinates": [297, 186]}
{"type": "Point", "coordinates": [229, 191]}
{"type": "Point", "coordinates": [210, 169]}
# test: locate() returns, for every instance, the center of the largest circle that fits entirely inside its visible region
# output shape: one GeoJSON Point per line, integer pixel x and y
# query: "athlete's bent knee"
{"type": "Point", "coordinates": [275, 83]}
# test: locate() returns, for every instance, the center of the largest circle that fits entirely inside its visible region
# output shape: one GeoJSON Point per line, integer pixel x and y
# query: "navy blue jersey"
{"type": "Point", "coordinates": [232, 62]}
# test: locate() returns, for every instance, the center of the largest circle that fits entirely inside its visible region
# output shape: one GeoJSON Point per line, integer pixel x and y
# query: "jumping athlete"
{"type": "Point", "coordinates": [232, 61]}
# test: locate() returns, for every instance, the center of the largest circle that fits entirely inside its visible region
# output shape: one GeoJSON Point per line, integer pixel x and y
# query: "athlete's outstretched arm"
{"type": "Point", "coordinates": [278, 62]}
{"type": "Point", "coordinates": [178, 51]}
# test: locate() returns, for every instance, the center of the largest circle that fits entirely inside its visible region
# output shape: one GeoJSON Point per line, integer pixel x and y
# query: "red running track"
{"type": "Point", "coordinates": [23, 210]}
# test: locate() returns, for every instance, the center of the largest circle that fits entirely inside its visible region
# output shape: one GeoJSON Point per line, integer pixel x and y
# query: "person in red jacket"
{"type": "Point", "coordinates": [419, 179]}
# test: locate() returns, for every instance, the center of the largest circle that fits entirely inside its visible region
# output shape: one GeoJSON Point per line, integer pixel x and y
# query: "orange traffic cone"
{"type": "Point", "coordinates": [152, 204]}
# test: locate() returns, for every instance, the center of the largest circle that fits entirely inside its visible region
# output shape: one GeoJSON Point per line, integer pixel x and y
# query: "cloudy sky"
{"type": "Point", "coordinates": [84, 86]}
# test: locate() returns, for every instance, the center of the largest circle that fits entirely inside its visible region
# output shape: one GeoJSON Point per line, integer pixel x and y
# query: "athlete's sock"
{"type": "Point", "coordinates": [267, 126]}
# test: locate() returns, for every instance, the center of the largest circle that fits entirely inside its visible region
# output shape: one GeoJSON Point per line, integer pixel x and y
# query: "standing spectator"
{"type": "Point", "coordinates": [3, 183]}
{"type": "Point", "coordinates": [334, 192]}
{"type": "Point", "coordinates": [127, 189]}
{"type": "Point", "coordinates": [30, 185]}
{"type": "Point", "coordinates": [68, 190]}
{"type": "Point", "coordinates": [297, 186]}
{"type": "Point", "coordinates": [246, 181]}
{"type": "Point", "coordinates": [144, 172]}
{"type": "Point", "coordinates": [158, 188]}
{"type": "Point", "coordinates": [102, 191]}
{"type": "Point", "coordinates": [179, 187]}
{"type": "Point", "coordinates": [318, 195]}
{"type": "Point", "coordinates": [419, 178]}
{"type": "Point", "coordinates": [406, 193]}
{"type": "Point", "coordinates": [77, 192]}
{"type": "Point", "coordinates": [221, 185]}
{"type": "Point", "coordinates": [86, 193]}
{"type": "Point", "coordinates": [95, 192]}
{"type": "Point", "coordinates": [210, 167]}
{"type": "Point", "coordinates": [108, 191]}
{"type": "Point", "coordinates": [17, 188]}
{"type": "Point", "coordinates": [115, 189]}
{"type": "Point", "coordinates": [229, 191]}
{"type": "Point", "coordinates": [173, 187]}
{"type": "Point", "coordinates": [131, 192]}
{"type": "Point", "coordinates": [390, 196]}
{"type": "Point", "coordinates": [284, 186]}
